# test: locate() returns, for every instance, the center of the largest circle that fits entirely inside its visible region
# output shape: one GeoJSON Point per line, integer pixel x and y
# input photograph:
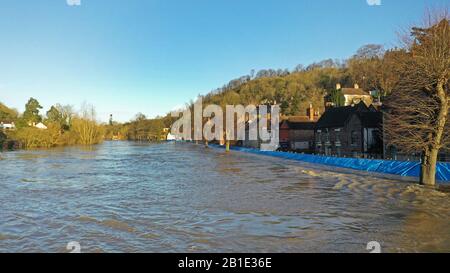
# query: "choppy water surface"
{"type": "Point", "coordinates": [128, 197]}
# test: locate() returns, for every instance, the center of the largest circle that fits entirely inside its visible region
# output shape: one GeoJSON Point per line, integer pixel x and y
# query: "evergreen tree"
{"type": "Point", "coordinates": [337, 98]}
{"type": "Point", "coordinates": [31, 114]}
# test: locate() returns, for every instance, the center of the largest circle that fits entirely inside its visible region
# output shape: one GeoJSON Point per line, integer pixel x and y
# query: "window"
{"type": "Point", "coordinates": [327, 136]}
{"type": "Point", "coordinates": [354, 138]}
{"type": "Point", "coordinates": [337, 134]}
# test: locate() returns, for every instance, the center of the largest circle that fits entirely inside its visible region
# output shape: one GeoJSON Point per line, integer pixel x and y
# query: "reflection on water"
{"type": "Point", "coordinates": [129, 197]}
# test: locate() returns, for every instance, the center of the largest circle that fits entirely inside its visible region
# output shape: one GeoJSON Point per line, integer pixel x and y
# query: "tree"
{"type": "Point", "coordinates": [54, 115]}
{"type": "Point", "coordinates": [3, 137]}
{"type": "Point", "coordinates": [337, 98]}
{"type": "Point", "coordinates": [86, 128]}
{"type": "Point", "coordinates": [299, 68]}
{"type": "Point", "coordinates": [370, 51]}
{"type": "Point", "coordinates": [31, 114]}
{"type": "Point", "coordinates": [62, 115]}
{"type": "Point", "coordinates": [387, 77]}
{"type": "Point", "coordinates": [67, 113]}
{"type": "Point", "coordinates": [417, 116]}
{"type": "Point", "coordinates": [140, 117]}
{"type": "Point", "coordinates": [365, 65]}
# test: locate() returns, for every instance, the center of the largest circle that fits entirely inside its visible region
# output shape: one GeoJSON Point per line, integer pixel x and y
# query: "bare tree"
{"type": "Point", "coordinates": [417, 110]}
{"type": "Point", "coordinates": [86, 127]}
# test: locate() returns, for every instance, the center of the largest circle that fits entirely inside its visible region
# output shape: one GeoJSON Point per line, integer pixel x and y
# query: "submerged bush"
{"type": "Point", "coordinates": [84, 132]}
{"type": "Point", "coordinates": [87, 131]}
{"type": "Point", "coordinates": [31, 137]}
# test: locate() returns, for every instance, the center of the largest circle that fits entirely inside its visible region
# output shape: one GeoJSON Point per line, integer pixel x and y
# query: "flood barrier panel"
{"type": "Point", "coordinates": [401, 168]}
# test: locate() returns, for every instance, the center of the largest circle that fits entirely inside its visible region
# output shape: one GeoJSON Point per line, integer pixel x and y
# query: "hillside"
{"type": "Point", "coordinates": [294, 92]}
{"type": "Point", "coordinates": [7, 113]}
{"type": "Point", "coordinates": [371, 67]}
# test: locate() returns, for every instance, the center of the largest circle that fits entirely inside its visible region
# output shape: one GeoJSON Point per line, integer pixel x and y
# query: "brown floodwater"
{"type": "Point", "coordinates": [130, 197]}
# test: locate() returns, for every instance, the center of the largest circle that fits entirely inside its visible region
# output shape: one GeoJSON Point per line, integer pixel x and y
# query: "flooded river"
{"type": "Point", "coordinates": [129, 197]}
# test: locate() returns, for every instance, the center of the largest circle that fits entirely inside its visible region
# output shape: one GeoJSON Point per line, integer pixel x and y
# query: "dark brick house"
{"type": "Point", "coordinates": [350, 131]}
{"type": "Point", "coordinates": [297, 132]}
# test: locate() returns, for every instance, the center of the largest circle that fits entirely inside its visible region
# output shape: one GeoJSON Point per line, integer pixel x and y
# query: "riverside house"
{"type": "Point", "coordinates": [297, 132]}
{"type": "Point", "coordinates": [352, 96]}
{"type": "Point", "coordinates": [350, 131]}
{"type": "Point", "coordinates": [7, 125]}
{"type": "Point", "coordinates": [41, 126]}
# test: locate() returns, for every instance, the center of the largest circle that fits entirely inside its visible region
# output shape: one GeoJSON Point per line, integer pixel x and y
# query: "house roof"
{"type": "Point", "coordinates": [336, 117]}
{"type": "Point", "coordinates": [40, 125]}
{"type": "Point", "coordinates": [371, 119]}
{"type": "Point", "coordinates": [296, 119]}
{"type": "Point", "coordinates": [354, 92]}
{"type": "Point", "coordinates": [300, 123]}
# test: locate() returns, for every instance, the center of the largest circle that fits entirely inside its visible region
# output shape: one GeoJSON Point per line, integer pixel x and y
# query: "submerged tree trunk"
{"type": "Point", "coordinates": [430, 156]}
{"type": "Point", "coordinates": [428, 168]}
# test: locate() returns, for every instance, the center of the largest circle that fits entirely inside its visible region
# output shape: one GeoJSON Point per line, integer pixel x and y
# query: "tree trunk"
{"type": "Point", "coordinates": [228, 146]}
{"type": "Point", "coordinates": [429, 159]}
{"type": "Point", "coordinates": [428, 168]}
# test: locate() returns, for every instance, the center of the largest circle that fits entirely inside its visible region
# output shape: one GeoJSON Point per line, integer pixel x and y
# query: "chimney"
{"type": "Point", "coordinates": [356, 86]}
{"type": "Point", "coordinates": [311, 112]}
{"type": "Point", "coordinates": [338, 86]}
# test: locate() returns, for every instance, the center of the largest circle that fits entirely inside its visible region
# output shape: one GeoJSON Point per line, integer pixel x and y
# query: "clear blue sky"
{"type": "Point", "coordinates": [129, 56]}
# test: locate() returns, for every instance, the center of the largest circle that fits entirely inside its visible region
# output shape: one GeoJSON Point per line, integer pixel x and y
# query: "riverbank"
{"type": "Point", "coordinates": [82, 132]}
{"type": "Point", "coordinates": [408, 169]}
{"type": "Point", "coordinates": [9, 145]}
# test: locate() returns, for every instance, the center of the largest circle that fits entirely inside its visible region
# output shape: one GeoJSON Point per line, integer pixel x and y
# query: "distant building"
{"type": "Point", "coordinates": [297, 132]}
{"type": "Point", "coordinates": [7, 125]}
{"type": "Point", "coordinates": [171, 137]}
{"type": "Point", "coordinates": [350, 131]}
{"type": "Point", "coordinates": [352, 96]}
{"type": "Point", "coordinates": [40, 125]}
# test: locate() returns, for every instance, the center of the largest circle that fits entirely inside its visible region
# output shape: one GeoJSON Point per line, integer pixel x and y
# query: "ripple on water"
{"type": "Point", "coordinates": [119, 225]}
{"type": "Point", "coordinates": [110, 223]}
{"type": "Point", "coordinates": [123, 196]}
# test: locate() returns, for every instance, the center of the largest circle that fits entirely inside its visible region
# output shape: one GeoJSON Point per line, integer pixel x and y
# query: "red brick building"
{"type": "Point", "coordinates": [297, 132]}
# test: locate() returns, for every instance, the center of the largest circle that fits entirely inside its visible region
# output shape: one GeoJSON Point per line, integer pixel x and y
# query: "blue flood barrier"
{"type": "Point", "coordinates": [401, 168]}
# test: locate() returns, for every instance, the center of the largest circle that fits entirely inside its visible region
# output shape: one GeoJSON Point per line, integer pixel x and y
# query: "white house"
{"type": "Point", "coordinates": [171, 137]}
{"type": "Point", "coordinates": [7, 125]}
{"type": "Point", "coordinates": [355, 95]}
{"type": "Point", "coordinates": [40, 125]}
